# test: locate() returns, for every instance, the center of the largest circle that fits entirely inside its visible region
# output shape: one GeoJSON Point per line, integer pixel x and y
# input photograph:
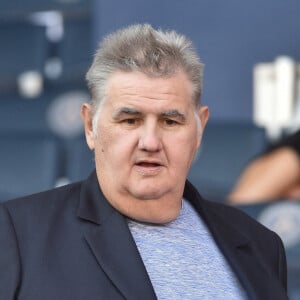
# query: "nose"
{"type": "Point", "coordinates": [150, 138]}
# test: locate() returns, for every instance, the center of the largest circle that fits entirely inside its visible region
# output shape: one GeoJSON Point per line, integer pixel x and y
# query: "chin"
{"type": "Point", "coordinates": [160, 216]}
{"type": "Point", "coordinates": [151, 195]}
{"type": "Point", "coordinates": [146, 192]}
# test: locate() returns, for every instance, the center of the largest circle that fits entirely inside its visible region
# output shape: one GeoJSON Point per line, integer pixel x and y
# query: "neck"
{"type": "Point", "coordinates": [158, 210]}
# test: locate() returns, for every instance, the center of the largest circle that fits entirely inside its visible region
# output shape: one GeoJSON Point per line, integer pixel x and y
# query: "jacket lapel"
{"type": "Point", "coordinates": [111, 242]}
{"type": "Point", "coordinates": [239, 251]}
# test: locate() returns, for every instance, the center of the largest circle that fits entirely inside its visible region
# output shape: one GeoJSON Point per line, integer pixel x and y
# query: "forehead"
{"type": "Point", "coordinates": [137, 88]}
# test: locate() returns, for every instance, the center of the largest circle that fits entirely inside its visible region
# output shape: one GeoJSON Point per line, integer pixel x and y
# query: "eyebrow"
{"type": "Point", "coordinates": [125, 111]}
{"type": "Point", "coordinates": [173, 113]}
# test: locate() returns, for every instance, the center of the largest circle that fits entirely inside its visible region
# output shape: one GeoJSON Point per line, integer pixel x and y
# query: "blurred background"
{"type": "Point", "coordinates": [251, 84]}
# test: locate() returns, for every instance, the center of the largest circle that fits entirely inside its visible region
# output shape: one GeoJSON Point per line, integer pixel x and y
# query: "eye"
{"type": "Point", "coordinates": [170, 122]}
{"type": "Point", "coordinates": [130, 121]}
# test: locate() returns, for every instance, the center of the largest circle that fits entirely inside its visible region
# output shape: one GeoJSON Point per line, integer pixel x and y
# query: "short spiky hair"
{"type": "Point", "coordinates": [155, 53]}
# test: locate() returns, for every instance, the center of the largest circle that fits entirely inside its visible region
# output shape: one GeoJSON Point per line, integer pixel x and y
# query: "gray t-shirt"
{"type": "Point", "coordinates": [183, 260]}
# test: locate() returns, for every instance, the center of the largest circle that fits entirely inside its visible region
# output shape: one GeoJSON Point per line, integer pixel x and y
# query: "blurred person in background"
{"type": "Point", "coordinates": [136, 228]}
{"type": "Point", "coordinates": [271, 176]}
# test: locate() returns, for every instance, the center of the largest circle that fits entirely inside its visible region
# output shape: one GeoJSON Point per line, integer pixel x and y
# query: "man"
{"type": "Point", "coordinates": [136, 229]}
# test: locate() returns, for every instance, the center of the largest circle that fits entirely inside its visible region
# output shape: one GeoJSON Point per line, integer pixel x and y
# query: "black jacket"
{"type": "Point", "coordinates": [70, 243]}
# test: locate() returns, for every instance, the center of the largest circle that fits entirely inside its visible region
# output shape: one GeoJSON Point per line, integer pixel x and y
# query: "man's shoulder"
{"type": "Point", "coordinates": [41, 219]}
{"type": "Point", "coordinates": [262, 237]}
{"type": "Point", "coordinates": [235, 216]}
{"type": "Point", "coordinates": [224, 213]}
{"type": "Point", "coordinates": [56, 197]}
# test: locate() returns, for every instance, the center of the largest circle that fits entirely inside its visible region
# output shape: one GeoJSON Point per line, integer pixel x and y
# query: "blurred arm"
{"type": "Point", "coordinates": [273, 175]}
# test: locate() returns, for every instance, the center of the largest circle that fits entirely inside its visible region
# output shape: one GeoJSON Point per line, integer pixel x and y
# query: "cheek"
{"type": "Point", "coordinates": [183, 147]}
{"type": "Point", "coordinates": [103, 139]}
{"type": "Point", "coordinates": [114, 143]}
{"type": "Point", "coordinates": [104, 143]}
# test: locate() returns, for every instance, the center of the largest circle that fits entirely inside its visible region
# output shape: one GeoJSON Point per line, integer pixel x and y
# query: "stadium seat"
{"type": "Point", "coordinates": [29, 163]}
{"type": "Point", "coordinates": [76, 56]}
{"type": "Point", "coordinates": [79, 160]}
{"type": "Point", "coordinates": [23, 49]}
{"type": "Point", "coordinates": [17, 9]}
{"type": "Point", "coordinates": [19, 115]}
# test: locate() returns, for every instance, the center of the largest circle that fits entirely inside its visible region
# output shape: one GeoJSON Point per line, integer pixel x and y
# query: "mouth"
{"type": "Point", "coordinates": [148, 168]}
{"type": "Point", "coordinates": [148, 164]}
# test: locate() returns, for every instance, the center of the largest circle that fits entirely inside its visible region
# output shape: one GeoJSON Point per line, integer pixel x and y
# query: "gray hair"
{"type": "Point", "coordinates": [155, 53]}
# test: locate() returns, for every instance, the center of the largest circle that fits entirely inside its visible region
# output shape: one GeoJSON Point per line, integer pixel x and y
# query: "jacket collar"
{"type": "Point", "coordinates": [111, 242]}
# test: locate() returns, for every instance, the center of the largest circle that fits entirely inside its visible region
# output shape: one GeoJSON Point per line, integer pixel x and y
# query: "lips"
{"type": "Point", "coordinates": [148, 167]}
{"type": "Point", "coordinates": [148, 163]}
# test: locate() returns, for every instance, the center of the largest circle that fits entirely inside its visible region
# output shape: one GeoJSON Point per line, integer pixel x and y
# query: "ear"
{"type": "Point", "coordinates": [203, 114]}
{"type": "Point", "coordinates": [87, 118]}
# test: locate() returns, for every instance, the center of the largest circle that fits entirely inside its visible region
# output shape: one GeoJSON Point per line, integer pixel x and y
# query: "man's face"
{"type": "Point", "coordinates": [147, 136]}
